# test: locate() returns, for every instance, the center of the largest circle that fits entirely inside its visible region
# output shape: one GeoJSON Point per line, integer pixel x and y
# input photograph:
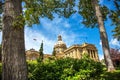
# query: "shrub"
{"type": "Point", "coordinates": [32, 65]}
{"type": "Point", "coordinates": [85, 69]}
{"type": "Point", "coordinates": [66, 69]}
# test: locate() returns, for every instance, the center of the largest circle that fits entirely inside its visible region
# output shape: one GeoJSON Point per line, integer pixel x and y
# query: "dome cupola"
{"type": "Point", "coordinates": [60, 46]}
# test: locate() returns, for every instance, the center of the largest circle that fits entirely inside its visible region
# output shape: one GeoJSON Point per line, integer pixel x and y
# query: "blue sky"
{"type": "Point", "coordinates": [72, 31]}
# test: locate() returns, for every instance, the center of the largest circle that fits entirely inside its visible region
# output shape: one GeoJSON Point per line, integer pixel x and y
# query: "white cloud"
{"type": "Point", "coordinates": [101, 56]}
{"type": "Point", "coordinates": [66, 24]}
{"type": "Point", "coordinates": [56, 25]}
{"type": "Point", "coordinates": [100, 43]}
{"type": "Point", "coordinates": [30, 35]}
{"type": "Point", "coordinates": [115, 42]}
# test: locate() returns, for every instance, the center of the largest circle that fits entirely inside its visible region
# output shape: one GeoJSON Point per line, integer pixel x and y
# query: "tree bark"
{"type": "Point", "coordinates": [103, 36]}
{"type": "Point", "coordinates": [14, 65]}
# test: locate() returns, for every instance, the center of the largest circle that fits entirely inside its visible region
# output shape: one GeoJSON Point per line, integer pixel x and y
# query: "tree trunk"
{"type": "Point", "coordinates": [104, 38]}
{"type": "Point", "coordinates": [13, 48]}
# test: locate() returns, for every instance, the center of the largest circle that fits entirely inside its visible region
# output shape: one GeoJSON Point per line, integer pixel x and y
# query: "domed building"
{"type": "Point", "coordinates": [61, 51]}
{"type": "Point", "coordinates": [75, 51]}
{"type": "Point", "coordinates": [59, 47]}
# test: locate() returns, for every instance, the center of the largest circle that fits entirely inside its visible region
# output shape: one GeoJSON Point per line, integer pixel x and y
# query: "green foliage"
{"type": "Point", "coordinates": [115, 17]}
{"type": "Point", "coordinates": [33, 10]}
{"type": "Point", "coordinates": [18, 21]}
{"type": "Point", "coordinates": [118, 67]}
{"type": "Point", "coordinates": [66, 69]}
{"type": "Point", "coordinates": [31, 67]}
{"type": "Point", "coordinates": [117, 32]}
{"type": "Point", "coordinates": [87, 11]}
{"type": "Point", "coordinates": [111, 75]}
{"type": "Point", "coordinates": [36, 9]}
{"type": "Point", "coordinates": [1, 6]}
{"type": "Point", "coordinates": [116, 21]}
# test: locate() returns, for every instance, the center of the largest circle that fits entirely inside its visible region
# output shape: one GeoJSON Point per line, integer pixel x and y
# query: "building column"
{"type": "Point", "coordinates": [89, 53]}
{"type": "Point", "coordinates": [96, 55]}
{"type": "Point", "coordinates": [74, 53]}
{"type": "Point", "coordinates": [78, 54]}
{"type": "Point", "coordinates": [70, 54]}
{"type": "Point", "coordinates": [93, 54]}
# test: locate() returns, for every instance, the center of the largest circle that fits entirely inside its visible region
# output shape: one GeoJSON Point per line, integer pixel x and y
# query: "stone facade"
{"type": "Point", "coordinates": [75, 51]}
{"type": "Point", "coordinates": [32, 54]}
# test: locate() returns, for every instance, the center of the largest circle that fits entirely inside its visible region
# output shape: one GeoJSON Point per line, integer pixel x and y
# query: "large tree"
{"type": "Point", "coordinates": [13, 50]}
{"type": "Point", "coordinates": [13, 46]}
{"type": "Point", "coordinates": [94, 16]}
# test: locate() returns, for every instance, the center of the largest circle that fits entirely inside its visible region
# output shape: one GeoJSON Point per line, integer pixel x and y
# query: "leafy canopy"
{"type": "Point", "coordinates": [87, 11]}
{"type": "Point", "coordinates": [33, 10]}
{"type": "Point", "coordinates": [36, 9]}
{"type": "Point", "coordinates": [115, 17]}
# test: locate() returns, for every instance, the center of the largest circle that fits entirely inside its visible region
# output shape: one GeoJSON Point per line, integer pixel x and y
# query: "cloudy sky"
{"type": "Point", "coordinates": [72, 31]}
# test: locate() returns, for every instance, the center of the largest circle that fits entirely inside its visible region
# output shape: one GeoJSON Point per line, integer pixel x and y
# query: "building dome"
{"type": "Point", "coordinates": [59, 43]}
{"type": "Point", "coordinates": [60, 46]}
